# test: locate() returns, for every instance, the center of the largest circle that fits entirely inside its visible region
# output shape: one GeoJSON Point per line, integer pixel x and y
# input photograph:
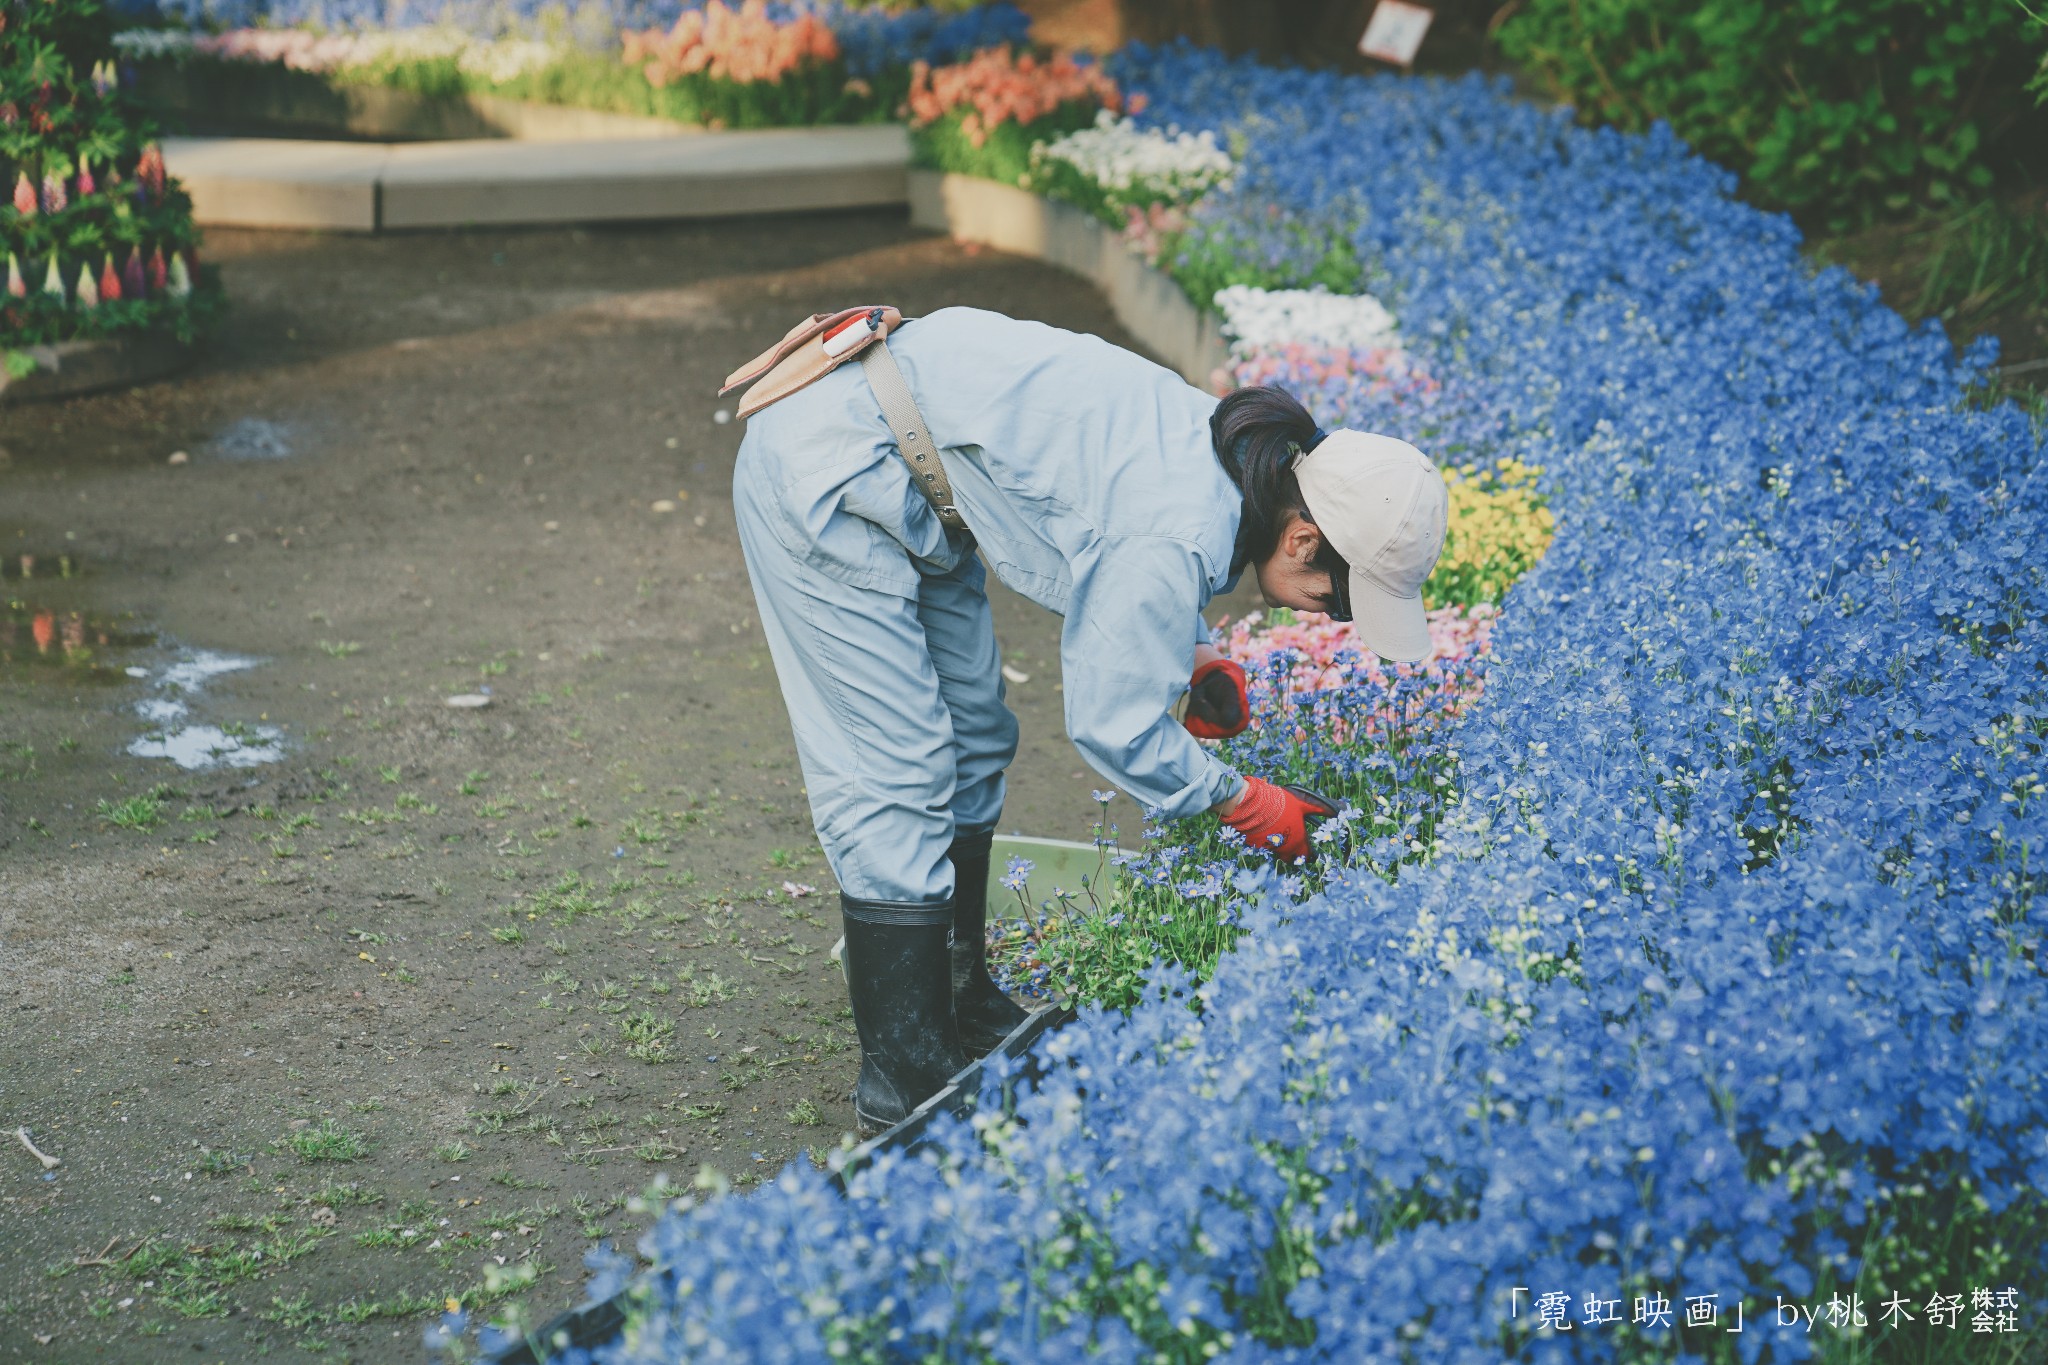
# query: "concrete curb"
{"type": "Point", "coordinates": [378, 187]}
{"type": "Point", "coordinates": [70, 368]}
{"type": "Point", "coordinates": [1146, 300]}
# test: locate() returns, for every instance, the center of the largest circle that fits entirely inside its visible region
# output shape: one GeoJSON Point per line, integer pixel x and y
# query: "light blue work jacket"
{"type": "Point", "coordinates": [1088, 479]}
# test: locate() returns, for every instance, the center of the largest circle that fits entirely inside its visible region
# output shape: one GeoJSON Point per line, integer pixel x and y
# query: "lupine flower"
{"type": "Point", "coordinates": [53, 283]}
{"type": "Point", "coordinates": [54, 197]}
{"type": "Point", "coordinates": [110, 283]}
{"type": "Point", "coordinates": [159, 275]}
{"type": "Point", "coordinates": [179, 283]}
{"type": "Point", "coordinates": [85, 180]}
{"type": "Point", "coordinates": [132, 284]}
{"type": "Point", "coordinates": [17, 287]}
{"type": "Point", "coordinates": [24, 195]}
{"type": "Point", "coordinates": [87, 296]}
{"type": "Point", "coordinates": [149, 171]}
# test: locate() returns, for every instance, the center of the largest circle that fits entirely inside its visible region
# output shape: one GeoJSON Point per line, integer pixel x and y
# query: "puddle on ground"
{"type": "Point", "coordinates": [42, 643]}
{"type": "Point", "coordinates": [26, 567]}
{"type": "Point", "coordinates": [252, 438]}
{"type": "Point", "coordinates": [173, 688]}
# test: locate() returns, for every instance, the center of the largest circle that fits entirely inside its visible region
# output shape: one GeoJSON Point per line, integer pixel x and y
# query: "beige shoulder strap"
{"type": "Point", "coordinates": [802, 357]}
{"type": "Point", "coordinates": [913, 438]}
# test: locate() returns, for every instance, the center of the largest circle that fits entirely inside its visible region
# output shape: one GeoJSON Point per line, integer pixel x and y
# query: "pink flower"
{"type": "Point", "coordinates": [54, 197]}
{"type": "Point", "coordinates": [997, 86]}
{"type": "Point", "coordinates": [132, 286]}
{"type": "Point", "coordinates": [24, 196]}
{"type": "Point", "coordinates": [1321, 654]}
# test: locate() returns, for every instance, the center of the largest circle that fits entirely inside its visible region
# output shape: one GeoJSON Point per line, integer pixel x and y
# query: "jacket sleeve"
{"type": "Point", "coordinates": [1125, 655]}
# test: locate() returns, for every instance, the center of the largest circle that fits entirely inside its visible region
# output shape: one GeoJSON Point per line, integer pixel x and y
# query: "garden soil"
{"type": "Point", "coordinates": [413, 1014]}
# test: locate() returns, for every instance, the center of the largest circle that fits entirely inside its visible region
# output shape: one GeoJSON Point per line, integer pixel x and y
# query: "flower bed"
{"type": "Point", "coordinates": [1712, 986]}
{"type": "Point", "coordinates": [98, 241]}
{"type": "Point", "coordinates": [742, 64]}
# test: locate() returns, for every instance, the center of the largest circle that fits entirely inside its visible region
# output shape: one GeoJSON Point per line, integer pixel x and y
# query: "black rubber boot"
{"type": "Point", "coordinates": [985, 1015]}
{"type": "Point", "coordinates": [896, 974]}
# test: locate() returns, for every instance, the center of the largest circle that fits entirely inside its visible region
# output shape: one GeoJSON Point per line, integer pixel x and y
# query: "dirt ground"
{"type": "Point", "coordinates": [413, 1012]}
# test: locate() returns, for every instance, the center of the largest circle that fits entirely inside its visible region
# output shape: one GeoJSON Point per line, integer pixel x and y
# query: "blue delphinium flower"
{"type": "Point", "coordinates": [1725, 940]}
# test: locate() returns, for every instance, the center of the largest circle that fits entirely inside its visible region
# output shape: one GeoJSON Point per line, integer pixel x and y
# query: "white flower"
{"type": "Point", "coordinates": [152, 42]}
{"type": "Point", "coordinates": [1257, 319]}
{"type": "Point", "coordinates": [1122, 157]}
{"type": "Point", "coordinates": [495, 61]}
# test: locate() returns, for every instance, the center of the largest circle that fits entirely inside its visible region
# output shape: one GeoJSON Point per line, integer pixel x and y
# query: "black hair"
{"type": "Point", "coordinates": [1258, 433]}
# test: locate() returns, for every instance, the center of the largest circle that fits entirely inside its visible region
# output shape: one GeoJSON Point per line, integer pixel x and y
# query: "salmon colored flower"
{"type": "Point", "coordinates": [149, 170]}
{"type": "Point", "coordinates": [997, 85]}
{"type": "Point", "coordinates": [741, 45]}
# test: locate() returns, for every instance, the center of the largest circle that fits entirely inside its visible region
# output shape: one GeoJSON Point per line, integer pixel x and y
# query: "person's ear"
{"type": "Point", "coordinates": [1303, 540]}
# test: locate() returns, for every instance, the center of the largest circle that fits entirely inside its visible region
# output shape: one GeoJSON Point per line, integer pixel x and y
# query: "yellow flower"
{"type": "Point", "coordinates": [1499, 527]}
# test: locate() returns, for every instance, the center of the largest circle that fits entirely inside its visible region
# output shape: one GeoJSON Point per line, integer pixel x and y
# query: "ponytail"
{"type": "Point", "coordinates": [1258, 433]}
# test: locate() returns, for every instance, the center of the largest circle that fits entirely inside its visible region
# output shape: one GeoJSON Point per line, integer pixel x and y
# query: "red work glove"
{"type": "Point", "coordinates": [1218, 705]}
{"type": "Point", "coordinates": [1278, 819]}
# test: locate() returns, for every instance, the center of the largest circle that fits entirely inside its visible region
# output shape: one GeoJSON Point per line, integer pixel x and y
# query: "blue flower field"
{"type": "Point", "coordinates": [1713, 1026]}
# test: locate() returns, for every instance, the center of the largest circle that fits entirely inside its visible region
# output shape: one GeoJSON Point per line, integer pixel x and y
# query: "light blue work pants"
{"type": "Point", "coordinates": [896, 701]}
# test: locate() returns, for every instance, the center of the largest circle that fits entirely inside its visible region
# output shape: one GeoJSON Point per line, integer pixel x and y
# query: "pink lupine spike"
{"type": "Point", "coordinates": [24, 196]}
{"type": "Point", "coordinates": [159, 273]}
{"type": "Point", "coordinates": [110, 283]}
{"type": "Point", "coordinates": [150, 171]}
{"type": "Point", "coordinates": [132, 286]}
{"type": "Point", "coordinates": [85, 180]}
{"type": "Point", "coordinates": [54, 197]}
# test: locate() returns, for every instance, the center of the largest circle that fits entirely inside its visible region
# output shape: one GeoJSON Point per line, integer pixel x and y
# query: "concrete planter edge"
{"type": "Point", "coordinates": [1146, 300]}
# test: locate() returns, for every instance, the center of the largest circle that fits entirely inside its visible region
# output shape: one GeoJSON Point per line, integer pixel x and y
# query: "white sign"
{"type": "Point", "coordinates": [1394, 34]}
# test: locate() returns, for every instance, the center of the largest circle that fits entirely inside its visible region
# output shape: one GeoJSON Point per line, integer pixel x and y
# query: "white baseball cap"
{"type": "Point", "coordinates": [1382, 505]}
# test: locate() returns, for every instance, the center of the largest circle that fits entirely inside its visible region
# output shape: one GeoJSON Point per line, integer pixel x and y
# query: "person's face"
{"type": "Point", "coordinates": [1285, 578]}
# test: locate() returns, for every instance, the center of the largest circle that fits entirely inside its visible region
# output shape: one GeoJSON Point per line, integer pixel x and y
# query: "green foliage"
{"type": "Point", "coordinates": [819, 93]}
{"type": "Point", "coordinates": [1843, 110]}
{"type": "Point", "coordinates": [1984, 260]}
{"type": "Point", "coordinates": [330, 1141]}
{"type": "Point", "coordinates": [1005, 153]}
{"type": "Point", "coordinates": [1100, 949]}
{"type": "Point", "coordinates": [1209, 256]}
{"type": "Point", "coordinates": [142, 811]}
